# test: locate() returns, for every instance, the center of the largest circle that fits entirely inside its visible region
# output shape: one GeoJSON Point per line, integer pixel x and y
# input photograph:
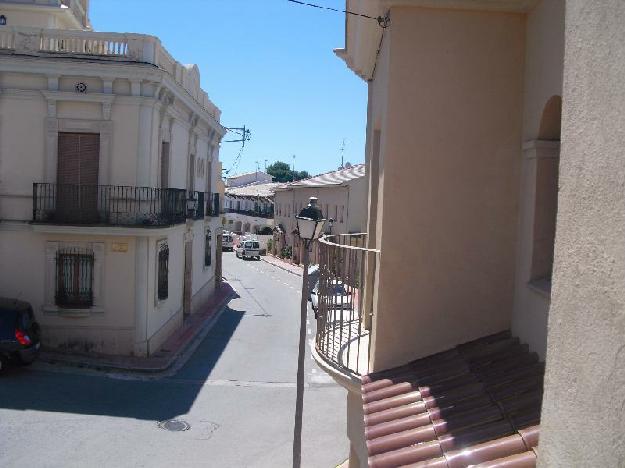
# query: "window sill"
{"type": "Point", "coordinates": [72, 313]}
{"type": "Point", "coordinates": [541, 287]}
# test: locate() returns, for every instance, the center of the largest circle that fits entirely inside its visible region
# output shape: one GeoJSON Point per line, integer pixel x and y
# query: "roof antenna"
{"type": "Point", "coordinates": [342, 150]}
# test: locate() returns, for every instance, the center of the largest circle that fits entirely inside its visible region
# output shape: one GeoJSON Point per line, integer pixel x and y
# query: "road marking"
{"type": "Point", "coordinates": [232, 383]}
{"type": "Point", "coordinates": [321, 379]}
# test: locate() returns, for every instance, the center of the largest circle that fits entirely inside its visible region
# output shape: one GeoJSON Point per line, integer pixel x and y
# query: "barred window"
{"type": "Point", "coordinates": [207, 248]}
{"type": "Point", "coordinates": [163, 271]}
{"type": "Point", "coordinates": [74, 278]}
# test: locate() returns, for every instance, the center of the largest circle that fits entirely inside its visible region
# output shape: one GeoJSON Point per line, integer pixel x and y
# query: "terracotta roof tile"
{"type": "Point", "coordinates": [477, 404]}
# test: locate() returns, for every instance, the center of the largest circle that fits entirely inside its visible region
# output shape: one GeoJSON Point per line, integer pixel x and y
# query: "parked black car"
{"type": "Point", "coordinates": [19, 333]}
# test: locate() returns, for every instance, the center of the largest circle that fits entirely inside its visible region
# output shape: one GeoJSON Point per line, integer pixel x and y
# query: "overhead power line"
{"type": "Point", "coordinates": [383, 21]}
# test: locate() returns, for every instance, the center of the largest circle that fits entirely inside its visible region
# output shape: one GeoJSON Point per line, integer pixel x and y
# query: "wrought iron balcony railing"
{"type": "Point", "coordinates": [113, 205]}
{"type": "Point", "coordinates": [344, 298]}
{"type": "Point", "coordinates": [201, 204]}
{"type": "Point", "coordinates": [256, 213]}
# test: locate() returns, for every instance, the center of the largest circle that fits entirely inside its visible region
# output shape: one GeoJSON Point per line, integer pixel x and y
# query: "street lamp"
{"type": "Point", "coordinates": [310, 224]}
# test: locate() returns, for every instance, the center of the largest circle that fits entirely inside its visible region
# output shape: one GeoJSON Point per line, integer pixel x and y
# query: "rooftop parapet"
{"type": "Point", "coordinates": [123, 47]}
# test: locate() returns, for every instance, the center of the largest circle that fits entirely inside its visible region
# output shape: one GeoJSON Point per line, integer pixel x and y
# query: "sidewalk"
{"type": "Point", "coordinates": [195, 327]}
{"type": "Point", "coordinates": [284, 265]}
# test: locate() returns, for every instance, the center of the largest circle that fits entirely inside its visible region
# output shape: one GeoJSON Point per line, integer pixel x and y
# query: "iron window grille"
{"type": "Point", "coordinates": [163, 271]}
{"type": "Point", "coordinates": [74, 278]}
{"type": "Point", "coordinates": [207, 248]}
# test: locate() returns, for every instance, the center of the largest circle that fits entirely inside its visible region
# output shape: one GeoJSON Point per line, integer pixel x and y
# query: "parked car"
{"type": "Point", "coordinates": [340, 298]}
{"type": "Point", "coordinates": [248, 249]}
{"type": "Point", "coordinates": [227, 242]}
{"type": "Point", "coordinates": [19, 333]}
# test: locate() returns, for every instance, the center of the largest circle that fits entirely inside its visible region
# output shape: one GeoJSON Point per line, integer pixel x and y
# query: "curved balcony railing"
{"type": "Point", "coordinates": [346, 271]}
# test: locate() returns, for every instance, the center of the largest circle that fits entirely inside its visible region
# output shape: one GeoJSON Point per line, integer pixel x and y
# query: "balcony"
{"type": "Point", "coordinates": [346, 272]}
{"type": "Point", "coordinates": [201, 204]}
{"type": "Point", "coordinates": [108, 205]}
{"type": "Point", "coordinates": [256, 213]}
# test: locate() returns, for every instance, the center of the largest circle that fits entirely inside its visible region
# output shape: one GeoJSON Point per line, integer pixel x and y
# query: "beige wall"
{"type": "Point", "coordinates": [583, 421]}
{"type": "Point", "coordinates": [23, 275]}
{"type": "Point", "coordinates": [450, 147]}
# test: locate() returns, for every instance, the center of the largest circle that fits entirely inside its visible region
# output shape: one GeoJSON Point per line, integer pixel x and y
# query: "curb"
{"type": "Point", "coordinates": [160, 364]}
{"type": "Point", "coordinates": [277, 265]}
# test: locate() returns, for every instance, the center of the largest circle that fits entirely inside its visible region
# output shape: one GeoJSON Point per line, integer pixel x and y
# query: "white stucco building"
{"type": "Point", "coordinates": [248, 178]}
{"type": "Point", "coordinates": [108, 168]}
{"type": "Point", "coordinates": [250, 208]}
{"type": "Point", "coordinates": [342, 198]}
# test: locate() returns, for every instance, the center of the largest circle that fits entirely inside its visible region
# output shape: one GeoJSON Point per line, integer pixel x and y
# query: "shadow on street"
{"type": "Point", "coordinates": [22, 389]}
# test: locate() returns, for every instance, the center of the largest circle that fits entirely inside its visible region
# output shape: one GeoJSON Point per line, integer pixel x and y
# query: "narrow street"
{"type": "Point", "coordinates": [237, 393]}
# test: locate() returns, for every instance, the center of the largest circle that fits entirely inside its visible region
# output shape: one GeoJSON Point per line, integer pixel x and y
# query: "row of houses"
{"type": "Point", "coordinates": [109, 181]}
{"type": "Point", "coordinates": [256, 205]}
{"type": "Point", "coordinates": [486, 323]}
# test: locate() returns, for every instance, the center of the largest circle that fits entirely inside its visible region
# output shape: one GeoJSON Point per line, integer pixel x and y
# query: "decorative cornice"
{"type": "Point", "coordinates": [109, 70]}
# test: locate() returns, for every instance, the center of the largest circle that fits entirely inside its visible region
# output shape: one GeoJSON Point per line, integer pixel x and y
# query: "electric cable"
{"type": "Point", "coordinates": [383, 21]}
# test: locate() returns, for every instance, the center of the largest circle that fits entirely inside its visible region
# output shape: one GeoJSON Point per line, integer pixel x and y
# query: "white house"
{"type": "Point", "coordinates": [342, 198]}
{"type": "Point", "coordinates": [249, 208]}
{"type": "Point", "coordinates": [108, 221]}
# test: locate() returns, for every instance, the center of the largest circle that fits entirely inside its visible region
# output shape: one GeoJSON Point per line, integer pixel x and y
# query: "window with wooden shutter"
{"type": "Point", "coordinates": [77, 175]}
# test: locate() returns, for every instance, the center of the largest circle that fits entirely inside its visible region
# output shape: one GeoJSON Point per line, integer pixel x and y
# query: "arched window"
{"type": "Point", "coordinates": [3, 20]}
{"type": "Point", "coordinates": [546, 196]}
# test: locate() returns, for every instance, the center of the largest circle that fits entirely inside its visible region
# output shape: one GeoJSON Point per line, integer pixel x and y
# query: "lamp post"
{"type": "Point", "coordinates": [310, 224]}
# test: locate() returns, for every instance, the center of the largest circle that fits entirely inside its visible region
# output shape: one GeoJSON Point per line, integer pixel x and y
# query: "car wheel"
{"type": "Point", "coordinates": [25, 361]}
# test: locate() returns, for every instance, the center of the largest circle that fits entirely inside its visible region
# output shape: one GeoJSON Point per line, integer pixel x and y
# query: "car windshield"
{"type": "Point", "coordinates": [252, 245]}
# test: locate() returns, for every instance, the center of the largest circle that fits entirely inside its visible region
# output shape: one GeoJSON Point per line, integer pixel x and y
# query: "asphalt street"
{"type": "Point", "coordinates": [236, 391]}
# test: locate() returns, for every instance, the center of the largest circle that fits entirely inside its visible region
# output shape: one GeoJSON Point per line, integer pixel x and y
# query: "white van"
{"type": "Point", "coordinates": [227, 242]}
{"type": "Point", "coordinates": [248, 249]}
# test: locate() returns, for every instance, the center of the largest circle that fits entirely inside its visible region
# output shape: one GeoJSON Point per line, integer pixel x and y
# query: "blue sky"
{"type": "Point", "coordinates": [267, 64]}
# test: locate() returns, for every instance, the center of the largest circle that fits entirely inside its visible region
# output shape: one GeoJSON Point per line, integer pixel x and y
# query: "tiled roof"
{"type": "Point", "coordinates": [476, 404]}
{"type": "Point", "coordinates": [253, 190]}
{"type": "Point", "coordinates": [330, 178]}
